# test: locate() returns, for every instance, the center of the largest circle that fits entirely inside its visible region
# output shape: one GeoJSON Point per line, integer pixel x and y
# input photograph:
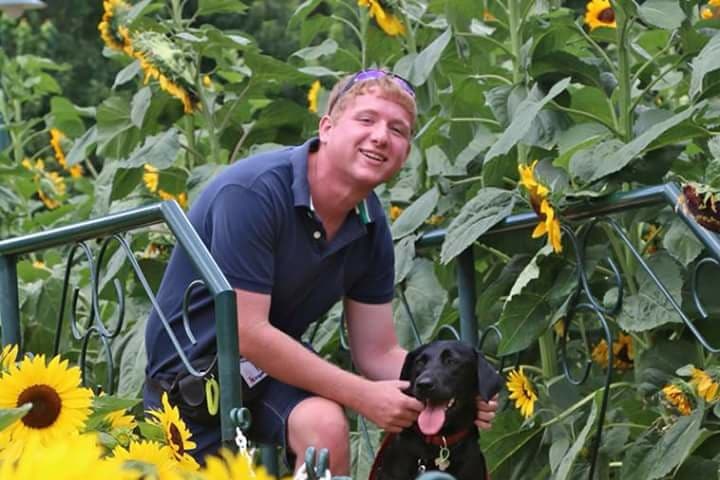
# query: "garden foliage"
{"type": "Point", "coordinates": [523, 105]}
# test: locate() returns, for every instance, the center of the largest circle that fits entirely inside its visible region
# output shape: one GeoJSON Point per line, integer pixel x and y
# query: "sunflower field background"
{"type": "Point", "coordinates": [524, 105]}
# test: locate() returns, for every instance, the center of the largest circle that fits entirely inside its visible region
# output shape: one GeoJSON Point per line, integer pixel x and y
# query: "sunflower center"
{"type": "Point", "coordinates": [607, 16]}
{"type": "Point", "coordinates": [46, 406]}
{"type": "Point", "coordinates": [176, 439]}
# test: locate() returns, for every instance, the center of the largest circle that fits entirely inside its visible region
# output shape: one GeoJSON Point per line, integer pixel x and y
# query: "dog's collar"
{"type": "Point", "coordinates": [446, 440]}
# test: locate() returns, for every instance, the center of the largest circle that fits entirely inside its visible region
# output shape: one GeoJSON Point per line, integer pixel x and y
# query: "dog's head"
{"type": "Point", "coordinates": [447, 375]}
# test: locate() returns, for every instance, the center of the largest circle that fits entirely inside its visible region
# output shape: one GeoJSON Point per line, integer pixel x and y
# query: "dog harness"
{"type": "Point", "coordinates": [442, 461]}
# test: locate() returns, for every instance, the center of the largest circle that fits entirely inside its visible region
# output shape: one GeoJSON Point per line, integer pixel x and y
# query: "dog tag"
{"type": "Point", "coordinates": [443, 459]}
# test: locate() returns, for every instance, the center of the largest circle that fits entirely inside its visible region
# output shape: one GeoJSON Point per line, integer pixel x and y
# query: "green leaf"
{"type": "Point", "coordinates": [127, 74]}
{"type": "Point", "coordinates": [628, 152]}
{"type": "Point", "coordinates": [404, 257]}
{"type": "Point", "coordinates": [671, 450]}
{"type": "Point", "coordinates": [8, 416]}
{"type": "Point", "coordinates": [139, 106]}
{"type": "Point", "coordinates": [66, 117]}
{"type": "Point", "coordinates": [439, 164]}
{"type": "Point", "coordinates": [124, 182]}
{"type": "Point", "coordinates": [681, 243]}
{"type": "Point", "coordinates": [530, 272]}
{"type": "Point", "coordinates": [79, 150]}
{"type": "Point", "coordinates": [522, 120]}
{"type": "Point", "coordinates": [211, 7]}
{"type": "Point", "coordinates": [584, 163]}
{"type": "Point", "coordinates": [116, 135]}
{"type": "Point", "coordinates": [488, 208]}
{"type": "Point", "coordinates": [327, 47]}
{"type": "Point", "coordinates": [414, 216]}
{"type": "Point", "coordinates": [426, 298]}
{"type": "Point", "coordinates": [158, 150]}
{"type": "Point", "coordinates": [705, 62]}
{"type": "Point", "coordinates": [665, 14]}
{"type": "Point", "coordinates": [648, 308]}
{"type": "Point", "coordinates": [505, 439]}
{"type": "Point", "coordinates": [481, 141]}
{"type": "Point", "coordinates": [565, 467]}
{"type": "Point", "coordinates": [425, 61]}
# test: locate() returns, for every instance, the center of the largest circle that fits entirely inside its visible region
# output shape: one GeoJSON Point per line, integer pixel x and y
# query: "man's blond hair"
{"type": "Point", "coordinates": [388, 87]}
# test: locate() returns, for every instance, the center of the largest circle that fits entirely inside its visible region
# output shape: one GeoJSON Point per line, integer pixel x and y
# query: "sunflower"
{"type": "Point", "coordinates": [549, 223]}
{"type": "Point", "coordinates": [150, 177]}
{"type": "Point", "coordinates": [113, 11]}
{"type": "Point", "coordinates": [623, 353]}
{"type": "Point", "coordinates": [706, 386]}
{"type": "Point", "coordinates": [51, 461]}
{"type": "Point", "coordinates": [120, 419]}
{"type": "Point", "coordinates": [180, 198]}
{"type": "Point", "coordinates": [312, 96]}
{"type": "Point", "coordinates": [231, 465]}
{"type": "Point", "coordinates": [59, 405]}
{"type": "Point", "coordinates": [177, 435]}
{"type": "Point", "coordinates": [395, 212]}
{"type": "Point", "coordinates": [56, 138]}
{"type": "Point", "coordinates": [600, 14]}
{"type": "Point", "coordinates": [8, 357]}
{"type": "Point", "coordinates": [388, 22]}
{"type": "Point", "coordinates": [675, 396]}
{"type": "Point", "coordinates": [147, 455]}
{"type": "Point", "coordinates": [522, 391]}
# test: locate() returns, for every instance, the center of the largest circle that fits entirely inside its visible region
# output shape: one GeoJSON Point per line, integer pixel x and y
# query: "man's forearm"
{"type": "Point", "coordinates": [383, 365]}
{"type": "Point", "coordinates": [285, 359]}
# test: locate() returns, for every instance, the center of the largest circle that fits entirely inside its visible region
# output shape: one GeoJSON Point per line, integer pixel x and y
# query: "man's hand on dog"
{"type": "Point", "coordinates": [389, 408]}
{"type": "Point", "coordinates": [486, 412]}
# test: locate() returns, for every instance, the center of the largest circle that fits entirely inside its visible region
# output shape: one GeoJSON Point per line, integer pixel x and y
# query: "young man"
{"type": "Point", "coordinates": [295, 231]}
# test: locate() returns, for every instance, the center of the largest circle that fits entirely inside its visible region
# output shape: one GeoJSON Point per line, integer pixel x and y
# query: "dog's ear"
{"type": "Point", "coordinates": [407, 368]}
{"type": "Point", "coordinates": [489, 381]}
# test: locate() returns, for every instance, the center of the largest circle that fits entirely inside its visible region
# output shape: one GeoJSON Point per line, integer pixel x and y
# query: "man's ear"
{"type": "Point", "coordinates": [407, 368]}
{"type": "Point", "coordinates": [326, 124]}
{"type": "Point", "coordinates": [489, 381]}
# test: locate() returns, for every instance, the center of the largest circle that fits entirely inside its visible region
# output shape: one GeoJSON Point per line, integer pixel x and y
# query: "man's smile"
{"type": "Point", "coordinates": [376, 157]}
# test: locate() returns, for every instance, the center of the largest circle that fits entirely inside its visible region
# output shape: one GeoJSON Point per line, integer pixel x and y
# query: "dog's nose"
{"type": "Point", "coordinates": [424, 385]}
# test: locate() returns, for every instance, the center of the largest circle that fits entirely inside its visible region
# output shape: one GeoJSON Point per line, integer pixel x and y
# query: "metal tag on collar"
{"type": "Point", "coordinates": [443, 459]}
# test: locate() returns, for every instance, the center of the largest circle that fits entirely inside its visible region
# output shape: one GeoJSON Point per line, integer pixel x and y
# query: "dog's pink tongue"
{"type": "Point", "coordinates": [431, 419]}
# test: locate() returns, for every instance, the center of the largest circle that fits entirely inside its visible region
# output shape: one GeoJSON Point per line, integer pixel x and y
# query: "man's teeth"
{"type": "Point", "coordinates": [373, 156]}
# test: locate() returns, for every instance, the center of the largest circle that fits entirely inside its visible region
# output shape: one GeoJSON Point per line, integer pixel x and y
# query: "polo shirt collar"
{"type": "Point", "coordinates": [301, 187]}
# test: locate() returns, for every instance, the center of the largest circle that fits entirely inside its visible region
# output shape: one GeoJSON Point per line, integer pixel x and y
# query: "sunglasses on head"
{"type": "Point", "coordinates": [374, 74]}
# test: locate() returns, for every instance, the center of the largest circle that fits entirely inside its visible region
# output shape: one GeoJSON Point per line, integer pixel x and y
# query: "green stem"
{"type": "Point", "coordinates": [585, 114]}
{"type": "Point", "coordinates": [515, 24]}
{"type": "Point", "coordinates": [624, 78]}
{"type": "Point", "coordinates": [578, 405]}
{"type": "Point", "coordinates": [548, 354]}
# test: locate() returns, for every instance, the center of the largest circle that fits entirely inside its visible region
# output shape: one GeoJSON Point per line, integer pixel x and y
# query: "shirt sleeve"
{"type": "Point", "coordinates": [376, 286]}
{"type": "Point", "coordinates": [241, 226]}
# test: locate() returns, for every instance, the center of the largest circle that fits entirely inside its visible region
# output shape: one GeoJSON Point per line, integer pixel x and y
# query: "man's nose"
{"type": "Point", "coordinates": [380, 133]}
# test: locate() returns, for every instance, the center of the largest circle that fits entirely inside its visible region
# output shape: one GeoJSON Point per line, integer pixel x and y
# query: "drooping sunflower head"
{"type": "Point", "coordinates": [706, 384]}
{"type": "Point", "coordinates": [163, 60]}
{"type": "Point", "coordinates": [388, 22]}
{"type": "Point", "coordinates": [114, 17]}
{"type": "Point", "coordinates": [537, 190]}
{"type": "Point", "coordinates": [599, 13]}
{"type": "Point", "coordinates": [177, 435]}
{"type": "Point", "coordinates": [522, 391]}
{"type": "Point", "coordinates": [60, 405]}
{"type": "Point", "coordinates": [678, 396]}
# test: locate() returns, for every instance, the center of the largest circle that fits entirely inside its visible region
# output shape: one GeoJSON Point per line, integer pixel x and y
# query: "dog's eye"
{"type": "Point", "coordinates": [448, 358]}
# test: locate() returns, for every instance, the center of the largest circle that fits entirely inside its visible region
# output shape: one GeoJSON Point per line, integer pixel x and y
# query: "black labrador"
{"type": "Point", "coordinates": [447, 376]}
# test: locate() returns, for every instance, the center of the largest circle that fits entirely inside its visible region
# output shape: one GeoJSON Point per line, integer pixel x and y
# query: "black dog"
{"type": "Point", "coordinates": [447, 376]}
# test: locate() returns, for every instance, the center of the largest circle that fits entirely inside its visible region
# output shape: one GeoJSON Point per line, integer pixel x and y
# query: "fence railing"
{"type": "Point", "coordinates": [231, 411]}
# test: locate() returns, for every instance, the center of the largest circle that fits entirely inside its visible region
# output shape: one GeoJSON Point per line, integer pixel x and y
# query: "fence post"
{"type": "Point", "coordinates": [466, 296]}
{"type": "Point", "coordinates": [9, 304]}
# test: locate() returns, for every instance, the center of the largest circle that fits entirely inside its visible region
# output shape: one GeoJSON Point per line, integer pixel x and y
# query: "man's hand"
{"type": "Point", "coordinates": [388, 407]}
{"type": "Point", "coordinates": [486, 412]}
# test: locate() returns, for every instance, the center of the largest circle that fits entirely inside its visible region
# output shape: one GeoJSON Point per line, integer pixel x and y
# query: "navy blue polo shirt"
{"type": "Point", "coordinates": [257, 220]}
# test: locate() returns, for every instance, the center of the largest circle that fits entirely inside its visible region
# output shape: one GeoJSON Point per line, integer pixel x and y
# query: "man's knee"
{"type": "Point", "coordinates": [318, 418]}
{"type": "Point", "coordinates": [320, 423]}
